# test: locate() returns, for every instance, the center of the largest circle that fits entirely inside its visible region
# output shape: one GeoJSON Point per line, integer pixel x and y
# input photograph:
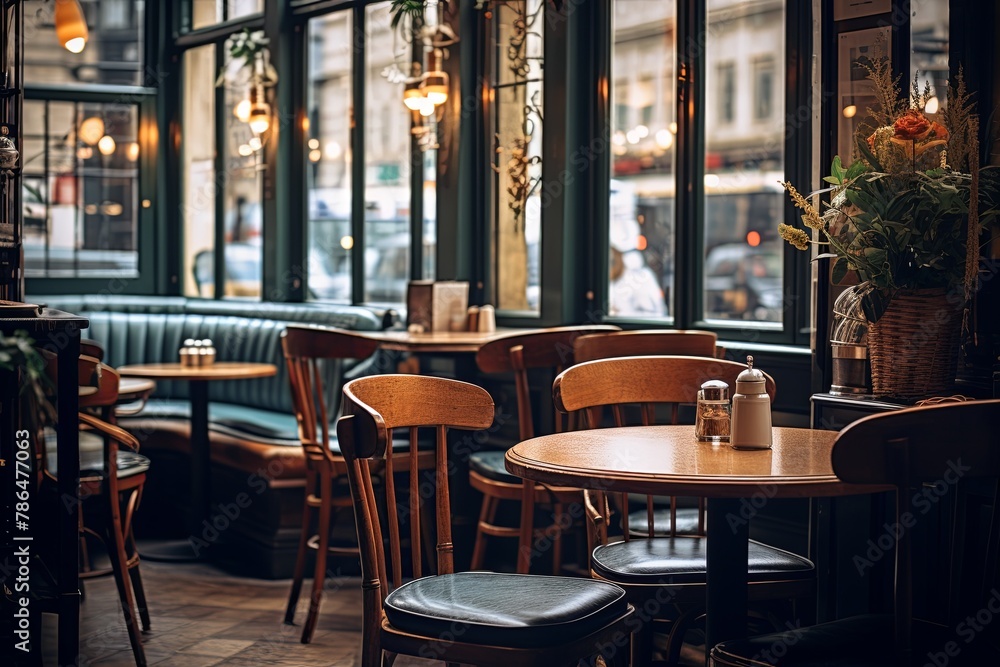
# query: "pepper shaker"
{"type": "Point", "coordinates": [712, 413]}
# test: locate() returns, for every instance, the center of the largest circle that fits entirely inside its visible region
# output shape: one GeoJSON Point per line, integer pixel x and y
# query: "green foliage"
{"type": "Point", "coordinates": [903, 231]}
{"type": "Point", "coordinates": [19, 355]}
{"type": "Point", "coordinates": [414, 9]}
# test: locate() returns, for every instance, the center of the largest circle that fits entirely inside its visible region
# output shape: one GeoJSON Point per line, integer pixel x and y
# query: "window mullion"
{"type": "Point", "coordinates": [219, 249]}
{"type": "Point", "coordinates": [358, 157]}
{"type": "Point", "coordinates": [689, 229]}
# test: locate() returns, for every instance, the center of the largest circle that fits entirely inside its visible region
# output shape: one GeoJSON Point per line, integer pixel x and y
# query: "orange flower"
{"type": "Point", "coordinates": [911, 126]}
{"type": "Point", "coordinates": [871, 141]}
{"type": "Point", "coordinates": [938, 131]}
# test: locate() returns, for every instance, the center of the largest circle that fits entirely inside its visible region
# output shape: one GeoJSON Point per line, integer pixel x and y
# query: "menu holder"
{"type": "Point", "coordinates": [437, 305]}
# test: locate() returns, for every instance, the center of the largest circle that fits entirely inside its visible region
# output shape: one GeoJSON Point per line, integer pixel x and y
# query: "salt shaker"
{"type": "Point", "coordinates": [751, 410]}
{"type": "Point", "coordinates": [712, 413]}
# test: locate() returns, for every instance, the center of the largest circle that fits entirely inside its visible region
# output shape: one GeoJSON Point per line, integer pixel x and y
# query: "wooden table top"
{"type": "Point", "coordinates": [467, 342]}
{"type": "Point", "coordinates": [668, 460]}
{"type": "Point", "coordinates": [220, 370]}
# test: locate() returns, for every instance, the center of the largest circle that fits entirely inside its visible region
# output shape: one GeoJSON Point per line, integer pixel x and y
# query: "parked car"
{"type": "Point", "coordinates": [744, 282]}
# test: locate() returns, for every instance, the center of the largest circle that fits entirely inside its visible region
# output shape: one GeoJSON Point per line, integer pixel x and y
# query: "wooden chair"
{"type": "Point", "coordinates": [691, 342]}
{"type": "Point", "coordinates": [948, 443]}
{"type": "Point", "coordinates": [552, 350]}
{"type": "Point", "coordinates": [641, 566]}
{"type": "Point", "coordinates": [307, 350]}
{"type": "Point", "coordinates": [476, 618]}
{"type": "Point", "coordinates": [113, 473]}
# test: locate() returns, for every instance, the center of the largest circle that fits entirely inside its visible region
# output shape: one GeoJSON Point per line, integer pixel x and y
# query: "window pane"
{"type": "Point", "coordinates": [430, 215]}
{"type": "Point", "coordinates": [929, 33]}
{"type": "Point", "coordinates": [80, 188]}
{"type": "Point", "coordinates": [387, 164]}
{"type": "Point", "coordinates": [517, 90]}
{"type": "Point", "coordinates": [242, 210]}
{"type": "Point", "coordinates": [744, 161]}
{"type": "Point", "coordinates": [198, 159]}
{"type": "Point", "coordinates": [113, 50]}
{"type": "Point", "coordinates": [205, 13]}
{"type": "Point", "coordinates": [641, 217]}
{"type": "Point", "coordinates": [328, 170]}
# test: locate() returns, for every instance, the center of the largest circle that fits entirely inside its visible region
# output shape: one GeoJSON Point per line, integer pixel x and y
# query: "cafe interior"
{"type": "Point", "coordinates": [499, 332]}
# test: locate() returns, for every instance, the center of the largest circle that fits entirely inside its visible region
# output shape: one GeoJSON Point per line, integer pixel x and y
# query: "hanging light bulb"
{"type": "Point", "coordinates": [260, 111]}
{"type": "Point", "coordinates": [71, 25]}
{"type": "Point", "coordinates": [426, 107]}
{"type": "Point", "coordinates": [133, 151]}
{"type": "Point", "coordinates": [932, 106]}
{"type": "Point", "coordinates": [106, 145]}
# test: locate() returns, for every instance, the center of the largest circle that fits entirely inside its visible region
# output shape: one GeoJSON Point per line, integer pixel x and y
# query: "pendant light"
{"type": "Point", "coordinates": [71, 25]}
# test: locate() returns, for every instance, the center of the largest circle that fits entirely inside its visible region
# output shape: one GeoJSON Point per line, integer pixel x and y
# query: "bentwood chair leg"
{"type": "Point", "coordinates": [479, 550]}
{"type": "Point", "coordinates": [527, 541]}
{"type": "Point", "coordinates": [557, 516]}
{"type": "Point", "coordinates": [300, 559]}
{"type": "Point", "coordinates": [323, 527]}
{"type": "Point", "coordinates": [642, 645]}
{"type": "Point", "coordinates": [140, 596]}
{"type": "Point", "coordinates": [119, 565]}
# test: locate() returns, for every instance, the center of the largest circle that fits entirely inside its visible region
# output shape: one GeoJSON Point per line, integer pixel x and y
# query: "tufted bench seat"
{"type": "Point", "coordinates": [254, 436]}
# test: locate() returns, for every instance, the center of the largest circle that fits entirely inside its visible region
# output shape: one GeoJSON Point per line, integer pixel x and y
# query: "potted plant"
{"type": "Point", "coordinates": [906, 219]}
{"type": "Point", "coordinates": [20, 357]}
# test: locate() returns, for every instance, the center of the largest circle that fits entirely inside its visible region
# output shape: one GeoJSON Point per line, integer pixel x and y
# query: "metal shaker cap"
{"type": "Point", "coordinates": [715, 390]}
{"type": "Point", "coordinates": [750, 381]}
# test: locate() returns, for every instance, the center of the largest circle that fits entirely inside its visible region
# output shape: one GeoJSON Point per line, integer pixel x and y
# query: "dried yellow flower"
{"type": "Point", "coordinates": [811, 218]}
{"type": "Point", "coordinates": [794, 236]}
{"type": "Point", "coordinates": [944, 159]}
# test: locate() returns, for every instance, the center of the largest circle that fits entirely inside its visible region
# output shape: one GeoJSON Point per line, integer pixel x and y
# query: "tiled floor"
{"type": "Point", "coordinates": [203, 616]}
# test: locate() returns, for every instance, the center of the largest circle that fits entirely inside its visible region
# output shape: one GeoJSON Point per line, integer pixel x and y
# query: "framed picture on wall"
{"type": "Point", "coordinates": [852, 9]}
{"type": "Point", "coordinates": [855, 93]}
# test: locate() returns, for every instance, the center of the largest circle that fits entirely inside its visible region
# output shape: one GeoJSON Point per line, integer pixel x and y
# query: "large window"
{"type": "Point", "coordinates": [112, 53]}
{"type": "Point", "coordinates": [641, 275]}
{"type": "Point", "coordinates": [329, 169]}
{"type": "Point", "coordinates": [744, 161]}
{"type": "Point", "coordinates": [80, 189]}
{"type": "Point", "coordinates": [374, 187]}
{"type": "Point", "coordinates": [740, 260]}
{"type": "Point", "coordinates": [205, 13]}
{"type": "Point", "coordinates": [516, 50]}
{"type": "Point", "coordinates": [87, 115]}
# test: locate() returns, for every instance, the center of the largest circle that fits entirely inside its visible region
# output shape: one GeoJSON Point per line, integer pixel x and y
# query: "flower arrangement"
{"type": "Point", "coordinates": [909, 212]}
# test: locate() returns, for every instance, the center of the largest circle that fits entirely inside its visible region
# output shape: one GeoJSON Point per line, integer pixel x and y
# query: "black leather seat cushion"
{"type": "Point", "coordinates": [517, 610]}
{"type": "Point", "coordinates": [91, 448]}
{"type": "Point", "coordinates": [681, 560]}
{"type": "Point", "coordinates": [860, 641]}
{"type": "Point", "coordinates": [491, 465]}
{"type": "Point", "coordinates": [687, 521]}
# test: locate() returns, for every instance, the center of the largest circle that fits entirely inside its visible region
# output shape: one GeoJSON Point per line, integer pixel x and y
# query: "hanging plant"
{"type": "Point", "coordinates": [249, 61]}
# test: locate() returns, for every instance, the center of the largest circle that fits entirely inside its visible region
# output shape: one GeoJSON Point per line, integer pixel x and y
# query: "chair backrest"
{"type": "Point", "coordinates": [91, 348]}
{"type": "Point", "coordinates": [101, 378]}
{"type": "Point", "coordinates": [305, 349]}
{"type": "Point", "coordinates": [646, 381]}
{"type": "Point", "coordinates": [691, 342]}
{"type": "Point", "coordinates": [945, 443]}
{"type": "Point", "coordinates": [373, 407]}
{"type": "Point", "coordinates": [543, 348]}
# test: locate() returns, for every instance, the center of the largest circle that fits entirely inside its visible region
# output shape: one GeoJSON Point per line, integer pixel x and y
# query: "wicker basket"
{"type": "Point", "coordinates": [914, 345]}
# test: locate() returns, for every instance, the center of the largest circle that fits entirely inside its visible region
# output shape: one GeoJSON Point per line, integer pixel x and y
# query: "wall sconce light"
{"type": "Point", "coordinates": [71, 25]}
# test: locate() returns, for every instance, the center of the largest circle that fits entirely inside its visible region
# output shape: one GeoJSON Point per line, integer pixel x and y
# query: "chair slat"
{"type": "Point", "coordinates": [415, 506]}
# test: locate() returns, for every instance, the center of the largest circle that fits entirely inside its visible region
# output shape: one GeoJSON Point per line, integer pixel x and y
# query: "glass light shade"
{"type": "Point", "coordinates": [71, 26]}
{"type": "Point", "coordinates": [260, 117]}
{"type": "Point", "coordinates": [426, 107]}
{"type": "Point", "coordinates": [106, 145]}
{"type": "Point", "coordinates": [413, 97]}
{"type": "Point", "coordinates": [91, 130]}
{"type": "Point", "coordinates": [133, 151]}
{"type": "Point", "coordinates": [435, 87]}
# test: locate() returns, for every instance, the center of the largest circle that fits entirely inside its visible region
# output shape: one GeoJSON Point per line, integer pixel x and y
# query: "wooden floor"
{"type": "Point", "coordinates": [204, 616]}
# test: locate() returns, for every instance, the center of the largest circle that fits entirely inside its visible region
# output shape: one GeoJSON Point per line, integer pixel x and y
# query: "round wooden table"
{"type": "Point", "coordinates": [668, 460]}
{"type": "Point", "coordinates": [198, 378]}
